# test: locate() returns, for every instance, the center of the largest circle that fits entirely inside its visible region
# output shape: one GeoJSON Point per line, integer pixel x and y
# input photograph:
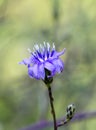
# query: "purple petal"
{"type": "Point", "coordinates": [57, 54]}
{"type": "Point", "coordinates": [59, 65]}
{"type": "Point", "coordinates": [49, 66]}
{"type": "Point", "coordinates": [41, 71]}
{"type": "Point", "coordinates": [25, 61]}
{"type": "Point", "coordinates": [30, 72]}
{"type": "Point", "coordinates": [33, 71]}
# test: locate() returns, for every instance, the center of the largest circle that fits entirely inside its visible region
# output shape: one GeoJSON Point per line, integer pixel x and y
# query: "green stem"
{"type": "Point", "coordinates": [52, 107]}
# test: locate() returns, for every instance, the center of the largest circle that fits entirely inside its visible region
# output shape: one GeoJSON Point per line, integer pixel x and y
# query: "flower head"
{"type": "Point", "coordinates": [44, 61]}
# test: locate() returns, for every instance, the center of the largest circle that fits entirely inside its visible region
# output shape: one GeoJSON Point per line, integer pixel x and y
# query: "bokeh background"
{"type": "Point", "coordinates": [69, 24]}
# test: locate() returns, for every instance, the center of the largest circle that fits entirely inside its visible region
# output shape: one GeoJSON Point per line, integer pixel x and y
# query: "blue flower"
{"type": "Point", "coordinates": [44, 62]}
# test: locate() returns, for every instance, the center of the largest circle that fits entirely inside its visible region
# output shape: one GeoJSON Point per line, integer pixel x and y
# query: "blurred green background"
{"type": "Point", "coordinates": [69, 24]}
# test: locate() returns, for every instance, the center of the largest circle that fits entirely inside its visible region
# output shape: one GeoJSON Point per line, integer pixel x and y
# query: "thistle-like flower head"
{"type": "Point", "coordinates": [44, 61]}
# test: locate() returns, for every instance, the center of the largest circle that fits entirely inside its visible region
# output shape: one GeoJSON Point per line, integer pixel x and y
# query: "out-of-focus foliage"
{"type": "Point", "coordinates": [68, 23]}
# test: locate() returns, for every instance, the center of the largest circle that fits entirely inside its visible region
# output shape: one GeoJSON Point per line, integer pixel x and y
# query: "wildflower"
{"type": "Point", "coordinates": [44, 62]}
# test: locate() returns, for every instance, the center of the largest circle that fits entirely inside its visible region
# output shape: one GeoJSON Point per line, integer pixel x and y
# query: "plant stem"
{"type": "Point", "coordinates": [52, 107]}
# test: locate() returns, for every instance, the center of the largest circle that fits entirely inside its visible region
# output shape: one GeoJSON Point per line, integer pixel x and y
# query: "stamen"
{"type": "Point", "coordinates": [29, 50]}
{"type": "Point", "coordinates": [44, 45]}
{"type": "Point", "coordinates": [53, 47]}
{"type": "Point", "coordinates": [64, 50]}
{"type": "Point", "coordinates": [36, 47]}
{"type": "Point", "coordinates": [48, 46]}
